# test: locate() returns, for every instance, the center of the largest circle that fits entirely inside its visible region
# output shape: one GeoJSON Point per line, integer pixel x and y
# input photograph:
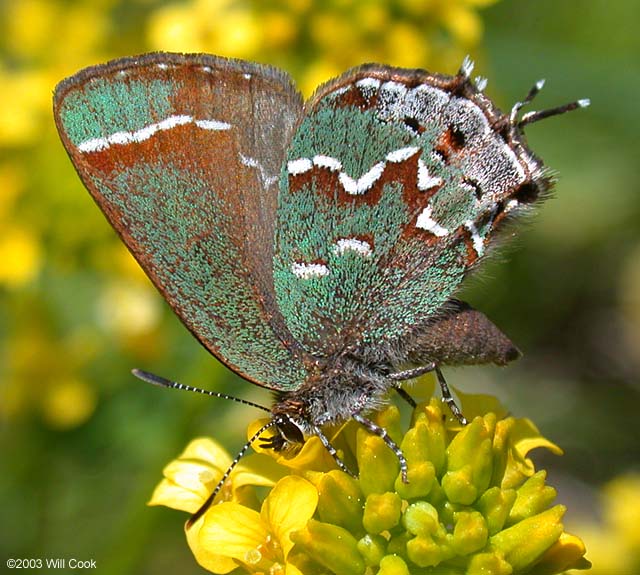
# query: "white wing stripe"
{"type": "Point", "coordinates": [125, 138]}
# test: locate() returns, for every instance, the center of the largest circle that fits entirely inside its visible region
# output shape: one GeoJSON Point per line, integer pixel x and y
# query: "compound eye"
{"type": "Point", "coordinates": [290, 431]}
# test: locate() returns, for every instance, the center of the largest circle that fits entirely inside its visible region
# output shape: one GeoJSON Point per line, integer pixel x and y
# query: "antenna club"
{"type": "Point", "coordinates": [152, 378]}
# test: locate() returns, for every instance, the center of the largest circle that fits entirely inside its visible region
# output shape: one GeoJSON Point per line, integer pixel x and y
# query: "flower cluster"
{"type": "Point", "coordinates": [410, 33]}
{"type": "Point", "coordinates": [474, 503]}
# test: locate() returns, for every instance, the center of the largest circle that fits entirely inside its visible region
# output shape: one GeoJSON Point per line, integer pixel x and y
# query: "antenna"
{"type": "Point", "coordinates": [163, 382]}
{"type": "Point", "coordinates": [225, 476]}
{"type": "Point", "coordinates": [154, 379]}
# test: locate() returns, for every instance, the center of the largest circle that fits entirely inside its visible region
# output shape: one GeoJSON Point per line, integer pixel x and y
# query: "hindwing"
{"type": "Point", "coordinates": [393, 185]}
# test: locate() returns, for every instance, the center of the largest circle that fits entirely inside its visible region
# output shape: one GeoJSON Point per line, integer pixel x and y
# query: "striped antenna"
{"type": "Point", "coordinates": [162, 382]}
{"type": "Point", "coordinates": [235, 462]}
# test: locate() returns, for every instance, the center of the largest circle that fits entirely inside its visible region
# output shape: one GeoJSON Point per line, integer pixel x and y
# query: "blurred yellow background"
{"type": "Point", "coordinates": [82, 443]}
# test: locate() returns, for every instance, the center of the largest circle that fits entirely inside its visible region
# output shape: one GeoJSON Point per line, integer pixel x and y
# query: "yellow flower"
{"type": "Point", "coordinates": [20, 257]}
{"type": "Point", "coordinates": [189, 479]}
{"type": "Point", "coordinates": [216, 26]}
{"type": "Point", "coordinates": [474, 503]}
{"type": "Point", "coordinates": [259, 541]}
{"type": "Point", "coordinates": [129, 309]}
{"type": "Point", "coordinates": [68, 403]}
{"type": "Point", "coordinates": [233, 533]}
{"type": "Point", "coordinates": [463, 23]}
{"type": "Point", "coordinates": [614, 544]}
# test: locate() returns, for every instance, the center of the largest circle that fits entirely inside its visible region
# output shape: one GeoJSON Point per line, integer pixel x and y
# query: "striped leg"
{"type": "Point", "coordinates": [381, 432]}
{"type": "Point", "coordinates": [409, 374]}
{"type": "Point", "coordinates": [332, 451]}
{"type": "Point", "coordinates": [448, 398]}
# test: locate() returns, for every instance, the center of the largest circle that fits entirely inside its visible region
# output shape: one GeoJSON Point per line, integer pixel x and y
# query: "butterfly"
{"type": "Point", "coordinates": [315, 248]}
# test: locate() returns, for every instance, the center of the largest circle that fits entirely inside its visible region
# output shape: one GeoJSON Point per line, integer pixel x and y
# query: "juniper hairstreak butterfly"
{"type": "Point", "coordinates": [315, 248]}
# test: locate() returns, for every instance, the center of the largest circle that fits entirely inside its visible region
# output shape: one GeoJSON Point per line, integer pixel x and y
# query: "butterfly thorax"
{"type": "Point", "coordinates": [333, 394]}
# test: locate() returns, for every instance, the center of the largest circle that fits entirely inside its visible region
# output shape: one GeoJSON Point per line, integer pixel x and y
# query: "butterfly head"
{"type": "Point", "coordinates": [290, 430]}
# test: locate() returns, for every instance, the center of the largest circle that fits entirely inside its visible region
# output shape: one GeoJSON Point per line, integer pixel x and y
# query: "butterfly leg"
{"type": "Point", "coordinates": [404, 394]}
{"type": "Point", "coordinates": [410, 374]}
{"type": "Point", "coordinates": [332, 451]}
{"type": "Point", "coordinates": [448, 398]}
{"type": "Point", "coordinates": [446, 392]}
{"type": "Point", "coordinates": [381, 432]}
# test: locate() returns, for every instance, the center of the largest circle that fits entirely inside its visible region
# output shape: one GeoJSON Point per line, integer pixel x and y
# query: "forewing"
{"type": "Point", "coordinates": [182, 153]}
{"type": "Point", "coordinates": [394, 182]}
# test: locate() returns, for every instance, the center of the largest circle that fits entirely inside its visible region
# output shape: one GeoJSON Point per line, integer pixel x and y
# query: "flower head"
{"type": "Point", "coordinates": [474, 504]}
{"type": "Point", "coordinates": [614, 541]}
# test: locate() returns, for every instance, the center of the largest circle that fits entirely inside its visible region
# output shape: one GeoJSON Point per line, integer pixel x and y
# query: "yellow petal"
{"type": "Point", "coordinates": [474, 404]}
{"type": "Point", "coordinates": [521, 436]}
{"type": "Point", "coordinates": [526, 436]}
{"type": "Point", "coordinates": [312, 455]}
{"type": "Point", "coordinates": [208, 451]}
{"type": "Point", "coordinates": [289, 506]}
{"type": "Point", "coordinates": [258, 469]}
{"type": "Point", "coordinates": [191, 477]}
{"type": "Point", "coordinates": [211, 561]}
{"type": "Point", "coordinates": [422, 388]}
{"type": "Point", "coordinates": [232, 530]}
{"type": "Point", "coordinates": [175, 496]}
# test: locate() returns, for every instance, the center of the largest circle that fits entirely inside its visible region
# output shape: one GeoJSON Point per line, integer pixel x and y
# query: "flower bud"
{"type": "Point", "coordinates": [470, 461]}
{"type": "Point", "coordinates": [340, 501]}
{"type": "Point", "coordinates": [393, 565]}
{"type": "Point", "coordinates": [373, 549]}
{"type": "Point", "coordinates": [532, 497]}
{"type": "Point", "coordinates": [378, 465]}
{"type": "Point", "coordinates": [470, 532]}
{"type": "Point", "coordinates": [381, 512]}
{"type": "Point", "coordinates": [526, 541]}
{"type": "Point", "coordinates": [331, 546]}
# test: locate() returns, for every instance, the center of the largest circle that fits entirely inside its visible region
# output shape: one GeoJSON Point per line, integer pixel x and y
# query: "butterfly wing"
{"type": "Point", "coordinates": [395, 181]}
{"type": "Point", "coordinates": [183, 154]}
